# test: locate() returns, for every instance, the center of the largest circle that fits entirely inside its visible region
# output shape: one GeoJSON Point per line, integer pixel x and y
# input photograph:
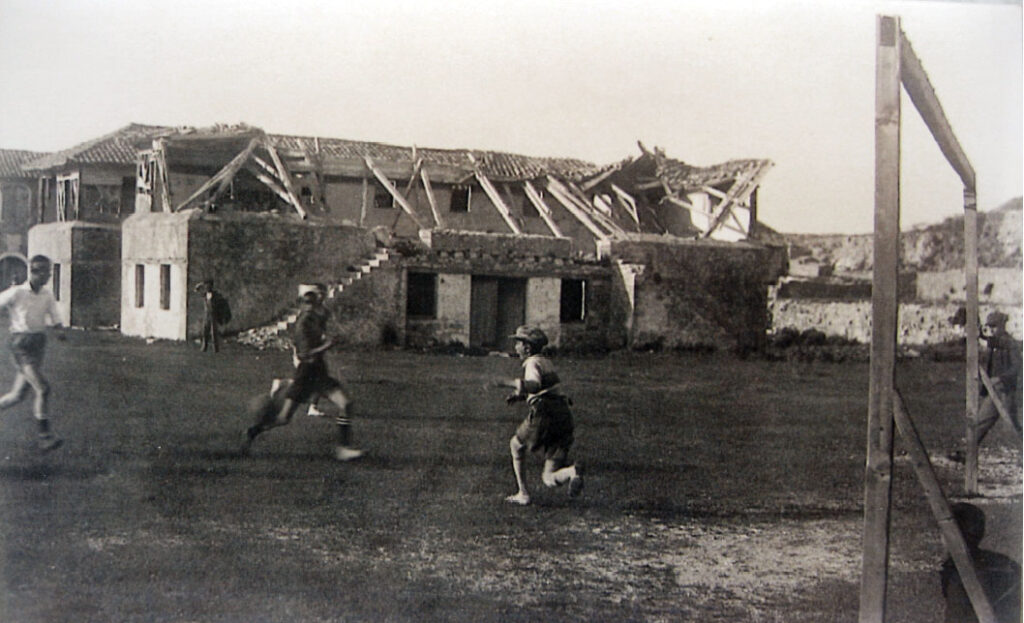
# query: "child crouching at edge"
{"type": "Point", "coordinates": [548, 427]}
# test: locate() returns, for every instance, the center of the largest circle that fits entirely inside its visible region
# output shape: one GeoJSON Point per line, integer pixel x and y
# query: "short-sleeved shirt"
{"type": "Point", "coordinates": [30, 312]}
{"type": "Point", "coordinates": [539, 376]}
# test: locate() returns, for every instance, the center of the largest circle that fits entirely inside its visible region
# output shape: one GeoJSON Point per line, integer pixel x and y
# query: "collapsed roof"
{"type": "Point", "coordinates": [636, 195]}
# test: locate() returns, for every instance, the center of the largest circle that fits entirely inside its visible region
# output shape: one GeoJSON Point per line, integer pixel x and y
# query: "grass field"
{"type": "Point", "coordinates": [716, 490]}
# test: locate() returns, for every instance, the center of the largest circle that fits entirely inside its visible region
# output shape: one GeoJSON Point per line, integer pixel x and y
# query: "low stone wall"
{"type": "Point", "coordinates": [919, 323]}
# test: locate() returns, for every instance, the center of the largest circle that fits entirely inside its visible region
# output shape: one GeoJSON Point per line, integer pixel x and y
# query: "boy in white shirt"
{"type": "Point", "coordinates": [32, 309]}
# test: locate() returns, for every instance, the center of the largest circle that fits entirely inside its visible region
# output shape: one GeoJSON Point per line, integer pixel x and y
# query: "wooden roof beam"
{"type": "Point", "coordinates": [492, 193]}
{"type": "Point", "coordinates": [573, 209]}
{"type": "Point", "coordinates": [286, 179]}
{"type": "Point", "coordinates": [429, 190]}
{"type": "Point", "coordinates": [542, 208]}
{"type": "Point", "coordinates": [225, 174]}
{"type": "Point", "coordinates": [389, 185]}
{"type": "Point", "coordinates": [628, 204]}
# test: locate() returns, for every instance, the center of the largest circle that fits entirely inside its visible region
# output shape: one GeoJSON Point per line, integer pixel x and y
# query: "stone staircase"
{"type": "Point", "coordinates": [277, 335]}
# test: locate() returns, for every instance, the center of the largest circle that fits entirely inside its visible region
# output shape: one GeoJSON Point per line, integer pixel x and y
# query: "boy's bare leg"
{"type": "Point", "coordinates": [344, 450]}
{"type": "Point", "coordinates": [522, 496]}
{"type": "Point", "coordinates": [17, 392]}
{"type": "Point", "coordinates": [553, 477]}
{"type": "Point", "coordinates": [47, 440]}
{"type": "Point", "coordinates": [269, 420]}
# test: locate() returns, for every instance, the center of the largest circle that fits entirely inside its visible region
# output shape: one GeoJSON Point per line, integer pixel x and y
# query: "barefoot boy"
{"type": "Point", "coordinates": [548, 427]}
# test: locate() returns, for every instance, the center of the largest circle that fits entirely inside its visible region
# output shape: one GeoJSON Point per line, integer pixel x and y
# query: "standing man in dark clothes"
{"type": "Point", "coordinates": [999, 575]}
{"type": "Point", "coordinates": [216, 312]}
{"type": "Point", "coordinates": [1003, 366]}
{"type": "Point", "coordinates": [311, 378]}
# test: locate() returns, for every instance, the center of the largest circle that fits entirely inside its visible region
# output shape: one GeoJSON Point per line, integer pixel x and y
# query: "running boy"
{"type": "Point", "coordinates": [32, 308]}
{"type": "Point", "coordinates": [548, 427]}
{"type": "Point", "coordinates": [311, 378]}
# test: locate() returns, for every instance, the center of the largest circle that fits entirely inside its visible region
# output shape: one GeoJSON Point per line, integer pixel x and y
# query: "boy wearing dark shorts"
{"type": "Point", "coordinates": [548, 427]}
{"type": "Point", "coordinates": [311, 378]}
{"type": "Point", "coordinates": [32, 309]}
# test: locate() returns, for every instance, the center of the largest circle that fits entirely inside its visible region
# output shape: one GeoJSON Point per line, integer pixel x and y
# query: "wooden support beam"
{"type": "Point", "coordinates": [160, 156]}
{"type": "Point", "coordinates": [597, 180]}
{"type": "Point", "coordinates": [389, 185]}
{"type": "Point", "coordinates": [688, 206]}
{"type": "Point", "coordinates": [366, 201]}
{"type": "Point", "coordinates": [413, 177]}
{"type": "Point", "coordinates": [628, 204]}
{"type": "Point", "coordinates": [919, 88]}
{"type": "Point", "coordinates": [492, 194]}
{"type": "Point", "coordinates": [316, 174]}
{"type": "Point", "coordinates": [269, 182]}
{"type": "Point", "coordinates": [884, 310]}
{"type": "Point", "coordinates": [580, 215]}
{"type": "Point", "coordinates": [972, 355]}
{"type": "Point", "coordinates": [542, 208]}
{"type": "Point", "coordinates": [1000, 407]}
{"type": "Point", "coordinates": [429, 190]}
{"type": "Point", "coordinates": [583, 202]}
{"type": "Point", "coordinates": [228, 172]}
{"type": "Point", "coordinates": [952, 538]}
{"type": "Point", "coordinates": [286, 179]}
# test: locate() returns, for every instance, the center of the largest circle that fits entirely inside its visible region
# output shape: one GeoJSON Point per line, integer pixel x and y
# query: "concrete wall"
{"type": "Point", "coordinates": [89, 259]}
{"type": "Point", "coordinates": [257, 261]}
{"type": "Point", "coordinates": [543, 304]}
{"type": "Point", "coordinates": [151, 240]}
{"type": "Point", "coordinates": [451, 324]}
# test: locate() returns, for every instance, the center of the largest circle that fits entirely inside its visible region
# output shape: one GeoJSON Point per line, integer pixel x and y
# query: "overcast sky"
{"type": "Point", "coordinates": [706, 80]}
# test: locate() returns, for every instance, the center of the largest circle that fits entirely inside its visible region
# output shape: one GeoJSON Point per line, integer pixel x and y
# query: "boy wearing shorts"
{"type": "Point", "coordinates": [32, 309]}
{"type": "Point", "coordinates": [548, 427]}
{"type": "Point", "coordinates": [311, 378]}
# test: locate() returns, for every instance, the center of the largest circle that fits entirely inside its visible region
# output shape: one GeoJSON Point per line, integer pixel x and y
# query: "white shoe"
{"type": "Point", "coordinates": [315, 412]}
{"type": "Point", "coordinates": [520, 498]}
{"type": "Point", "coordinates": [342, 453]}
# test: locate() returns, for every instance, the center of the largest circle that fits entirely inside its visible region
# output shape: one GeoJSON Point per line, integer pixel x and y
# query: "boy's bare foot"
{"type": "Point", "coordinates": [520, 498]}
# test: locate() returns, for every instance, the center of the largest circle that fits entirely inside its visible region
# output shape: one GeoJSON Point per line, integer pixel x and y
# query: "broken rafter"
{"type": "Point", "coordinates": [286, 179]}
{"type": "Point", "coordinates": [542, 208]}
{"type": "Point", "coordinates": [628, 204]}
{"type": "Point", "coordinates": [742, 186]}
{"type": "Point", "coordinates": [268, 181]}
{"type": "Point", "coordinates": [316, 175]}
{"type": "Point", "coordinates": [228, 172]}
{"type": "Point", "coordinates": [495, 198]}
{"type": "Point", "coordinates": [430, 198]}
{"type": "Point", "coordinates": [563, 197]}
{"type": "Point", "coordinates": [687, 206]}
{"type": "Point", "coordinates": [399, 199]}
{"type": "Point", "coordinates": [165, 181]}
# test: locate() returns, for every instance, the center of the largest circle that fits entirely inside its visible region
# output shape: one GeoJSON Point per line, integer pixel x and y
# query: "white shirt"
{"type": "Point", "coordinates": [29, 310]}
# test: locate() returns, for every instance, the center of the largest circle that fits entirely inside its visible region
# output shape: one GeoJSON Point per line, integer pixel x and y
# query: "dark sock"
{"type": "Point", "coordinates": [44, 427]}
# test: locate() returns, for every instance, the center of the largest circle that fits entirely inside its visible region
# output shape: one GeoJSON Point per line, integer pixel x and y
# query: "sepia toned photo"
{"type": "Point", "coordinates": [415, 311]}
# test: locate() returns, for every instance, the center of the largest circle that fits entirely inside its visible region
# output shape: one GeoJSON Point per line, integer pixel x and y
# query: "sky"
{"type": "Point", "coordinates": [705, 80]}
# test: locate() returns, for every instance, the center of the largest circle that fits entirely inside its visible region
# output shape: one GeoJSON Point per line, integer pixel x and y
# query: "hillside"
{"type": "Point", "coordinates": [929, 248]}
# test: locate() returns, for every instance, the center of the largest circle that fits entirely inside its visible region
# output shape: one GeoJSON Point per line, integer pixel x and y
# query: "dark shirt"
{"type": "Point", "coordinates": [310, 329]}
{"type": "Point", "coordinates": [1004, 360]}
{"type": "Point", "coordinates": [1000, 577]}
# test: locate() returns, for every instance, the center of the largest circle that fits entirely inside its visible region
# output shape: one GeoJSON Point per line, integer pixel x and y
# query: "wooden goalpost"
{"type": "Point", "coordinates": [896, 64]}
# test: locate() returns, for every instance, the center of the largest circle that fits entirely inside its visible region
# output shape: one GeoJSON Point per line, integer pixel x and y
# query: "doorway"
{"type": "Point", "coordinates": [497, 307]}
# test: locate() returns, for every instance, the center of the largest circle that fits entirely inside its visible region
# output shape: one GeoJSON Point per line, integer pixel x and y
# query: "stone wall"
{"type": "Point", "coordinates": [258, 260]}
{"type": "Point", "coordinates": [695, 294]}
{"type": "Point", "coordinates": [919, 323]}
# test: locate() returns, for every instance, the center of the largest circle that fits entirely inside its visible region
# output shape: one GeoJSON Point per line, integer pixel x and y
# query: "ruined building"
{"type": "Point", "coordinates": [418, 246]}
